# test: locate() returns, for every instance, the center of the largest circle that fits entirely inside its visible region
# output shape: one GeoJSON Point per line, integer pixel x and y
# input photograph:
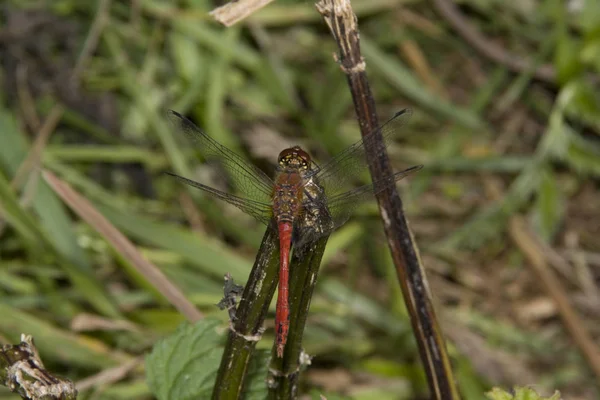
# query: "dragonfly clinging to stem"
{"type": "Point", "coordinates": [303, 202]}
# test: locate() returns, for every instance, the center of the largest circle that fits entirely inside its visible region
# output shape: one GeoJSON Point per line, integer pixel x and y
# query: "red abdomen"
{"type": "Point", "coordinates": [282, 315]}
{"type": "Point", "coordinates": [287, 199]}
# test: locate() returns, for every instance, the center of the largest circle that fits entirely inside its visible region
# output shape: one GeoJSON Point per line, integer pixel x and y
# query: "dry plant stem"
{"type": "Point", "coordinates": [531, 246]}
{"type": "Point", "coordinates": [23, 372]}
{"type": "Point", "coordinates": [29, 168]}
{"type": "Point", "coordinates": [111, 375]}
{"type": "Point", "coordinates": [342, 22]}
{"type": "Point", "coordinates": [25, 99]}
{"type": "Point", "coordinates": [125, 248]}
{"type": "Point", "coordinates": [284, 372]}
{"type": "Point", "coordinates": [237, 10]}
{"type": "Point", "coordinates": [33, 159]}
{"type": "Point", "coordinates": [247, 329]}
{"type": "Point", "coordinates": [487, 47]}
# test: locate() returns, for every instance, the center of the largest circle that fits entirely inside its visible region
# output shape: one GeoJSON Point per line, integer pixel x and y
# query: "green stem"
{"type": "Point", "coordinates": [250, 315]}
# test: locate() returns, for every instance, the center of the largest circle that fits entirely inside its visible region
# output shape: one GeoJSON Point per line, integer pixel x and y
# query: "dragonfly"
{"type": "Point", "coordinates": [304, 201]}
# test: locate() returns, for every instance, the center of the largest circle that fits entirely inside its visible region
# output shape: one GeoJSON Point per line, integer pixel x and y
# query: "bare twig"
{"type": "Point", "coordinates": [30, 166]}
{"type": "Point", "coordinates": [154, 275]}
{"type": "Point", "coordinates": [530, 245]}
{"type": "Point", "coordinates": [419, 63]}
{"type": "Point", "coordinates": [23, 372]}
{"type": "Point", "coordinates": [110, 375]}
{"type": "Point", "coordinates": [33, 161]}
{"type": "Point", "coordinates": [90, 322]}
{"type": "Point", "coordinates": [237, 10]}
{"type": "Point", "coordinates": [342, 22]}
{"type": "Point", "coordinates": [191, 212]}
{"type": "Point", "coordinates": [26, 101]}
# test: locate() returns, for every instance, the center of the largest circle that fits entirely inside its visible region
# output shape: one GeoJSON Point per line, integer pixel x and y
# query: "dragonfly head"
{"type": "Point", "coordinates": [295, 159]}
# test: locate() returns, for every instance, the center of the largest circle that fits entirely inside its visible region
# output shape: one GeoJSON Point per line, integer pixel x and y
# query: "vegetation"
{"type": "Point", "coordinates": [505, 212]}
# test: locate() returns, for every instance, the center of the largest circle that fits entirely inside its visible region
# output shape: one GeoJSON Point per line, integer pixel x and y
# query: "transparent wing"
{"type": "Point", "coordinates": [339, 173]}
{"type": "Point", "coordinates": [342, 206]}
{"type": "Point", "coordinates": [248, 180]}
{"type": "Point", "coordinates": [338, 209]}
{"type": "Point", "coordinates": [261, 211]}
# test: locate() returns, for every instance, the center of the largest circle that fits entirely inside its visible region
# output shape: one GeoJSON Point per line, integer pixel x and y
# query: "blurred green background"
{"type": "Point", "coordinates": [506, 117]}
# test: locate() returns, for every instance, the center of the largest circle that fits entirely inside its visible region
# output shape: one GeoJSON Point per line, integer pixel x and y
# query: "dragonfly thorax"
{"type": "Point", "coordinates": [294, 159]}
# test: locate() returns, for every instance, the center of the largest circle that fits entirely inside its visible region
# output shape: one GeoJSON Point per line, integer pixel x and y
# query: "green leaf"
{"type": "Point", "coordinates": [583, 155]}
{"type": "Point", "coordinates": [184, 365]}
{"type": "Point", "coordinates": [488, 222]}
{"type": "Point", "coordinates": [566, 58]}
{"type": "Point", "coordinates": [590, 18]}
{"type": "Point", "coordinates": [202, 251]}
{"type": "Point", "coordinates": [585, 103]}
{"type": "Point", "coordinates": [519, 394]}
{"type": "Point", "coordinates": [54, 220]}
{"type": "Point", "coordinates": [187, 56]}
{"type": "Point", "coordinates": [53, 216]}
{"type": "Point", "coordinates": [549, 203]}
{"type": "Point", "coordinates": [17, 217]}
{"type": "Point", "coordinates": [58, 344]}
